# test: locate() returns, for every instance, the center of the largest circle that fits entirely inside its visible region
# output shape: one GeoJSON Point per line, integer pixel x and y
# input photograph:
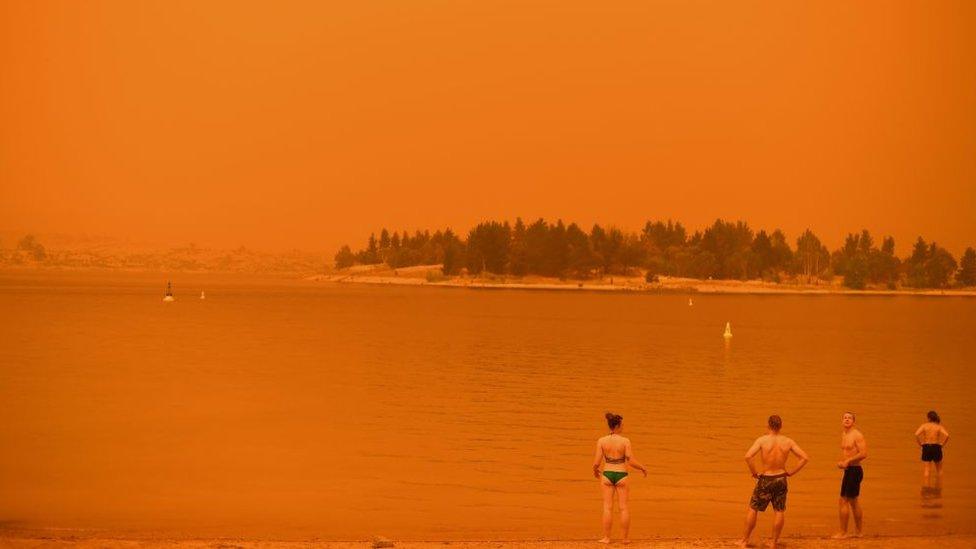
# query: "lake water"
{"type": "Point", "coordinates": [293, 409]}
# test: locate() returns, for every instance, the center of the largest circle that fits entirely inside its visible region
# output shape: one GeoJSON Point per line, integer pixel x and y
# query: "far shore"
{"type": "Point", "coordinates": [430, 275]}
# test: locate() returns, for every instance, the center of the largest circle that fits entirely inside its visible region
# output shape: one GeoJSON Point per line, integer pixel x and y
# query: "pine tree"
{"type": "Point", "coordinates": [967, 268]}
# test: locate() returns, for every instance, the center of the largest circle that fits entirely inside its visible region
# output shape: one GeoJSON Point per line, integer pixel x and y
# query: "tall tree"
{"type": "Point", "coordinates": [454, 253]}
{"type": "Point", "coordinates": [761, 258]}
{"type": "Point", "coordinates": [581, 261]}
{"type": "Point", "coordinates": [967, 268]}
{"type": "Point", "coordinates": [487, 247]}
{"type": "Point", "coordinates": [518, 260]}
{"type": "Point", "coordinates": [812, 256]}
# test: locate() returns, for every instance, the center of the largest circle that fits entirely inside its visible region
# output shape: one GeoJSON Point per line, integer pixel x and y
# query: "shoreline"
{"type": "Point", "coordinates": [429, 275]}
{"type": "Point", "coordinates": [38, 539]}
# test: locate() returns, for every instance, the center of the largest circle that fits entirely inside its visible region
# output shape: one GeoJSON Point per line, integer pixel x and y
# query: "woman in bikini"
{"type": "Point", "coordinates": [615, 452]}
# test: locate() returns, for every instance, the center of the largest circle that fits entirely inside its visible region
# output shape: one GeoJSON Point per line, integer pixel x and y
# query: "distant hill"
{"type": "Point", "coordinates": [60, 251]}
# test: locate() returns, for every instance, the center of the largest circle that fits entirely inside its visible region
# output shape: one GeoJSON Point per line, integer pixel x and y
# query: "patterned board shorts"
{"type": "Point", "coordinates": [769, 490]}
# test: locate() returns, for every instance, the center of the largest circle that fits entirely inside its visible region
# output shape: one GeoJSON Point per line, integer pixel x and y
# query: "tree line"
{"type": "Point", "coordinates": [724, 250]}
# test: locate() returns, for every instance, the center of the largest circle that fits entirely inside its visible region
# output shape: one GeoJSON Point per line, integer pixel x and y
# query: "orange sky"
{"type": "Point", "coordinates": [308, 124]}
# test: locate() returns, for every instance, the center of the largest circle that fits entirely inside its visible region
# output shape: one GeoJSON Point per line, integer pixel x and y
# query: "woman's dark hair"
{"type": "Point", "coordinates": [933, 417]}
{"type": "Point", "coordinates": [613, 420]}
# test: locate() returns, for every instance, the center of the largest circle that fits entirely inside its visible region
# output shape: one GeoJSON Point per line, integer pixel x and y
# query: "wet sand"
{"type": "Point", "coordinates": [39, 540]}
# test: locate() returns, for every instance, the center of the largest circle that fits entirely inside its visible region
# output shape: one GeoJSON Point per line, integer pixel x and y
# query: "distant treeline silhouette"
{"type": "Point", "coordinates": [725, 250]}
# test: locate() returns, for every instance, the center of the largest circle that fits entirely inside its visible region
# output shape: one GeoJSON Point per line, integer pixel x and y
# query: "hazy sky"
{"type": "Point", "coordinates": [309, 124]}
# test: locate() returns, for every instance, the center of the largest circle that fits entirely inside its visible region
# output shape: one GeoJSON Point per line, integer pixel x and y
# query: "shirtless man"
{"type": "Point", "coordinates": [932, 436]}
{"type": "Point", "coordinates": [773, 448]}
{"type": "Point", "coordinates": [853, 450]}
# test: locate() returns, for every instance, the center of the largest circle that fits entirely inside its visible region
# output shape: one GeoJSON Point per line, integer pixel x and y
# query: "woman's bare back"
{"type": "Point", "coordinates": [615, 451]}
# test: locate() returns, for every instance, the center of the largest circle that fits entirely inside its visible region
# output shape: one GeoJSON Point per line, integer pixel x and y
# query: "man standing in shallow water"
{"type": "Point", "coordinates": [771, 483]}
{"type": "Point", "coordinates": [931, 437]}
{"type": "Point", "coordinates": [854, 450]}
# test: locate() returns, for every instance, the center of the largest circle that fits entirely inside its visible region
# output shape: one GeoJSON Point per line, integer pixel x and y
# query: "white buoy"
{"type": "Point", "coordinates": [168, 297]}
{"type": "Point", "coordinates": [728, 330]}
{"type": "Point", "coordinates": [203, 295]}
{"type": "Point", "coordinates": [690, 302]}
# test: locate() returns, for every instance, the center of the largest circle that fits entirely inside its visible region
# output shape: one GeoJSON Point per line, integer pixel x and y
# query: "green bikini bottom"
{"type": "Point", "coordinates": [614, 476]}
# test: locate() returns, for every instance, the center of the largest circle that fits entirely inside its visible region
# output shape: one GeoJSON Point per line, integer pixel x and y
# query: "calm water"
{"type": "Point", "coordinates": [296, 409]}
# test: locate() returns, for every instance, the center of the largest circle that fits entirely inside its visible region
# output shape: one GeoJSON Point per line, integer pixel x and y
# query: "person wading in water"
{"type": "Point", "coordinates": [931, 437]}
{"type": "Point", "coordinates": [615, 451]}
{"type": "Point", "coordinates": [854, 449]}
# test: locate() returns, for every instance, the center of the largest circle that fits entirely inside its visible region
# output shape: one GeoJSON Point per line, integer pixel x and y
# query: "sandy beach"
{"type": "Point", "coordinates": [39, 540]}
{"type": "Point", "coordinates": [430, 275]}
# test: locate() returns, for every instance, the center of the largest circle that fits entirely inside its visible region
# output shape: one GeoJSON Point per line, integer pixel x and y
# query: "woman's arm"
{"type": "Point", "coordinates": [632, 461]}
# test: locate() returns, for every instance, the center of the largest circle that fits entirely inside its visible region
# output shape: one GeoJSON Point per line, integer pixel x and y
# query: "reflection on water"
{"type": "Point", "coordinates": [931, 503]}
{"type": "Point", "coordinates": [295, 409]}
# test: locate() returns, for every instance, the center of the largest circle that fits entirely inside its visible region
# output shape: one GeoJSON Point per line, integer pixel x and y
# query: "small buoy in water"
{"type": "Point", "coordinates": [203, 295]}
{"type": "Point", "coordinates": [168, 297]}
{"type": "Point", "coordinates": [728, 330]}
{"type": "Point", "coordinates": [690, 302]}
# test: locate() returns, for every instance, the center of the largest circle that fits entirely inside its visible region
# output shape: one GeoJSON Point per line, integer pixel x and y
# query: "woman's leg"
{"type": "Point", "coordinates": [607, 489]}
{"type": "Point", "coordinates": [623, 493]}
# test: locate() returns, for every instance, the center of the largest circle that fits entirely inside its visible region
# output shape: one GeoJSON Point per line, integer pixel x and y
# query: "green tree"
{"type": "Point", "coordinates": [728, 243]}
{"type": "Point", "coordinates": [914, 266]}
{"type": "Point", "coordinates": [581, 260]}
{"type": "Point", "coordinates": [811, 255]}
{"type": "Point", "coordinates": [454, 253]}
{"type": "Point", "coordinates": [372, 255]}
{"type": "Point", "coordinates": [967, 268]}
{"type": "Point", "coordinates": [761, 259]}
{"type": "Point", "coordinates": [487, 247]}
{"type": "Point", "coordinates": [518, 260]}
{"type": "Point", "coordinates": [940, 267]}
{"type": "Point", "coordinates": [344, 258]}
{"type": "Point", "coordinates": [34, 248]}
{"type": "Point", "coordinates": [855, 273]}
{"type": "Point", "coordinates": [782, 253]}
{"type": "Point", "coordinates": [557, 250]}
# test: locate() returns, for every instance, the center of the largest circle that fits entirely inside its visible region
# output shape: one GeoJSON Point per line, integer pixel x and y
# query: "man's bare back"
{"type": "Point", "coordinates": [931, 433]}
{"type": "Point", "coordinates": [773, 451]}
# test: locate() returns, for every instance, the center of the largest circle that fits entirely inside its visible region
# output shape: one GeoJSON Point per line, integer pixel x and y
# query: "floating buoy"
{"type": "Point", "coordinates": [728, 330]}
{"type": "Point", "coordinates": [690, 302]}
{"type": "Point", "coordinates": [168, 297]}
{"type": "Point", "coordinates": [203, 295]}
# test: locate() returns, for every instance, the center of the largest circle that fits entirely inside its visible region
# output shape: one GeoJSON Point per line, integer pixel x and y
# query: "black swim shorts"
{"type": "Point", "coordinates": [850, 486]}
{"type": "Point", "coordinates": [932, 452]}
{"type": "Point", "coordinates": [769, 490]}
